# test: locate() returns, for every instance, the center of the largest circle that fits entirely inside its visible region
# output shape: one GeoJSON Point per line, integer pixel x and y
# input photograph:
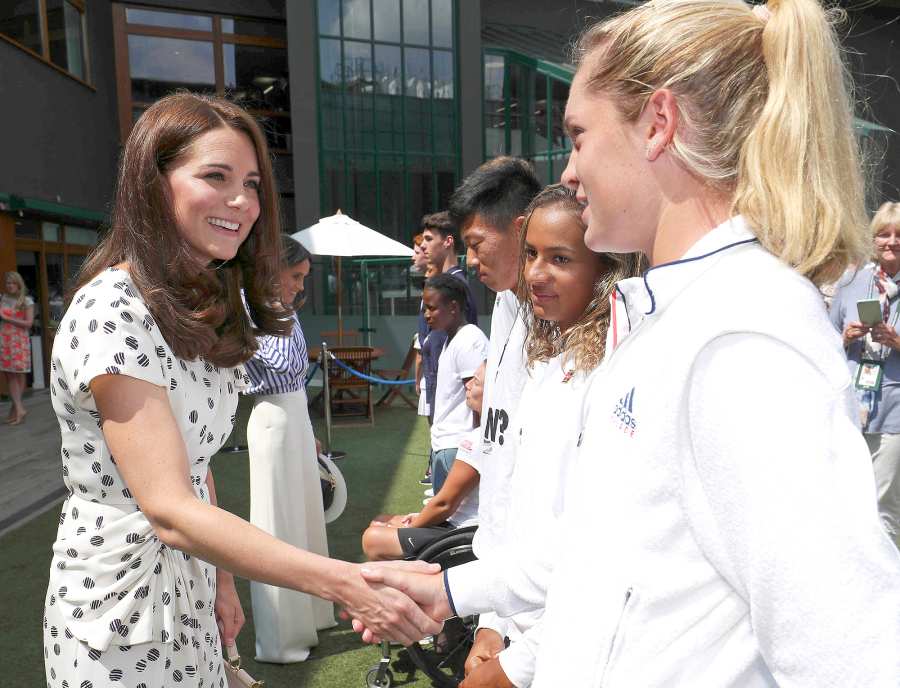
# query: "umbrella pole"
{"type": "Point", "coordinates": [340, 312]}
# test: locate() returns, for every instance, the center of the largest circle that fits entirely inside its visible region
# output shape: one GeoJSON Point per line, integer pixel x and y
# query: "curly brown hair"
{"type": "Point", "coordinates": [198, 310]}
{"type": "Point", "coordinates": [584, 343]}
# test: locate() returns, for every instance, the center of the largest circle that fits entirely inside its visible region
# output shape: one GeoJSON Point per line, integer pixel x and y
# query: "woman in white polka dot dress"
{"type": "Point", "coordinates": [146, 369]}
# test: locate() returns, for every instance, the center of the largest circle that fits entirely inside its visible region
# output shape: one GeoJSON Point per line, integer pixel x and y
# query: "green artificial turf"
{"type": "Point", "coordinates": [382, 469]}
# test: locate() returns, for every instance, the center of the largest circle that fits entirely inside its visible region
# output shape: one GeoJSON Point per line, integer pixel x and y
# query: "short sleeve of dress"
{"type": "Point", "coordinates": [109, 331]}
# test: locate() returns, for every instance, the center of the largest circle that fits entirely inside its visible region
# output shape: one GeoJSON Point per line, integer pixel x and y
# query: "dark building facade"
{"type": "Point", "coordinates": [374, 107]}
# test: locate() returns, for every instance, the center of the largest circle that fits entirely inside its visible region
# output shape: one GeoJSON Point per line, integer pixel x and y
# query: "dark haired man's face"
{"type": "Point", "coordinates": [436, 248]}
{"type": "Point", "coordinates": [440, 313]}
{"type": "Point", "coordinates": [493, 251]}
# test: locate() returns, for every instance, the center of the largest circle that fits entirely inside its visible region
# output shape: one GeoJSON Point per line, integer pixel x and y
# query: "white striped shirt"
{"type": "Point", "coordinates": [279, 365]}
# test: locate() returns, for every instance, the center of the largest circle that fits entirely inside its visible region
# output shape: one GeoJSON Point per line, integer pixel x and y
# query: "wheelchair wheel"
{"type": "Point", "coordinates": [372, 680]}
{"type": "Point", "coordinates": [442, 657]}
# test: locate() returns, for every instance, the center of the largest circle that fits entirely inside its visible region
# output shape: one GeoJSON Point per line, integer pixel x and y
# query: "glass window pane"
{"type": "Point", "coordinates": [82, 236]}
{"type": "Point", "coordinates": [161, 65]}
{"type": "Point", "coordinates": [444, 127]}
{"type": "Point", "coordinates": [356, 19]}
{"type": "Point", "coordinates": [173, 20]}
{"type": "Point", "coordinates": [387, 20]}
{"type": "Point", "coordinates": [257, 76]}
{"type": "Point", "coordinates": [520, 78]}
{"type": "Point", "coordinates": [66, 40]}
{"type": "Point", "coordinates": [560, 96]}
{"type": "Point", "coordinates": [363, 190]}
{"type": "Point", "coordinates": [418, 124]}
{"type": "Point", "coordinates": [443, 74]}
{"type": "Point", "coordinates": [415, 21]}
{"type": "Point", "coordinates": [56, 289]}
{"type": "Point", "coordinates": [74, 262]}
{"type": "Point", "coordinates": [421, 189]}
{"type": "Point", "coordinates": [445, 172]}
{"type": "Point", "coordinates": [442, 23]}
{"type": "Point", "coordinates": [544, 169]}
{"type": "Point", "coordinates": [254, 27]}
{"type": "Point", "coordinates": [28, 228]}
{"type": "Point", "coordinates": [277, 131]}
{"type": "Point", "coordinates": [283, 169]}
{"type": "Point", "coordinates": [494, 110]}
{"type": "Point", "coordinates": [20, 21]}
{"type": "Point", "coordinates": [329, 17]}
{"type": "Point", "coordinates": [49, 231]}
{"type": "Point", "coordinates": [358, 98]}
{"type": "Point", "coordinates": [332, 182]}
{"type": "Point", "coordinates": [288, 213]}
{"type": "Point", "coordinates": [330, 63]}
{"type": "Point", "coordinates": [330, 96]}
{"type": "Point", "coordinates": [541, 121]}
{"type": "Point", "coordinates": [418, 72]}
{"type": "Point", "coordinates": [393, 199]}
{"type": "Point", "coordinates": [387, 69]}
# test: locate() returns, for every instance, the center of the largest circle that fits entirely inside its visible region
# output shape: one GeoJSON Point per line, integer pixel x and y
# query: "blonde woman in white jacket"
{"type": "Point", "coordinates": [722, 528]}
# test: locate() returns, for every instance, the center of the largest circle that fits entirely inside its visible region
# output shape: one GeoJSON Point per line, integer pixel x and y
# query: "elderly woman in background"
{"type": "Point", "coordinates": [873, 354]}
{"type": "Point", "coordinates": [285, 493]}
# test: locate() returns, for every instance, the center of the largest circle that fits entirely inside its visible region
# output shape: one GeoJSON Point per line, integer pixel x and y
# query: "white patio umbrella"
{"type": "Point", "coordinates": [340, 235]}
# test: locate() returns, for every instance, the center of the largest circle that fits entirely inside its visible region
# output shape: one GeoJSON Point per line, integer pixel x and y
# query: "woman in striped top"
{"type": "Point", "coordinates": [285, 494]}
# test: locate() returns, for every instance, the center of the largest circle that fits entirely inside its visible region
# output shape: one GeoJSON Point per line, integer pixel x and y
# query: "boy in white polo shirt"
{"type": "Point", "coordinates": [465, 350]}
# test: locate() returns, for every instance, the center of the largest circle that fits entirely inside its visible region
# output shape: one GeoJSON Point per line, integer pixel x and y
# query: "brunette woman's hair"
{"type": "Point", "coordinates": [765, 112]}
{"type": "Point", "coordinates": [293, 252]}
{"type": "Point", "coordinates": [584, 342]}
{"type": "Point", "coordinates": [198, 308]}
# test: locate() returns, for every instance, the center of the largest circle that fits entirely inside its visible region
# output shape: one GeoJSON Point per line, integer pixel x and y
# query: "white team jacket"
{"type": "Point", "coordinates": [722, 526]}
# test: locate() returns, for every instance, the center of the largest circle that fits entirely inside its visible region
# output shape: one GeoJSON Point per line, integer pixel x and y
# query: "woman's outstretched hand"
{"type": "Point", "coordinates": [424, 587]}
{"type": "Point", "coordinates": [382, 611]}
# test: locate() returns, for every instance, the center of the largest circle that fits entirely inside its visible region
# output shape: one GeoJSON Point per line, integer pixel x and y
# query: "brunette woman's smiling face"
{"type": "Point", "coordinates": [215, 193]}
{"type": "Point", "coordinates": [560, 271]}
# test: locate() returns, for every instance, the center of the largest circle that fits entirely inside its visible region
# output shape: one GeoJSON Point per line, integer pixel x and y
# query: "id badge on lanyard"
{"type": "Point", "coordinates": [869, 375]}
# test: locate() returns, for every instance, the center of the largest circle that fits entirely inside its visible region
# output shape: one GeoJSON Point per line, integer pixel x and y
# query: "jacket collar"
{"type": "Point", "coordinates": [660, 285]}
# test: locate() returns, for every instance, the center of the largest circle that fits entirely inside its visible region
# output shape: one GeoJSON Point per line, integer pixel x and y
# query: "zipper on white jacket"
{"type": "Point", "coordinates": [614, 644]}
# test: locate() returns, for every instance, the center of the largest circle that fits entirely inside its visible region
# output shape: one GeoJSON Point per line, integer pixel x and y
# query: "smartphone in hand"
{"type": "Point", "coordinates": [869, 311]}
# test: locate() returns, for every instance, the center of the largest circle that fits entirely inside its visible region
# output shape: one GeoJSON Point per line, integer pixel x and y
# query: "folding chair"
{"type": "Point", "coordinates": [350, 395]}
{"type": "Point", "coordinates": [405, 372]}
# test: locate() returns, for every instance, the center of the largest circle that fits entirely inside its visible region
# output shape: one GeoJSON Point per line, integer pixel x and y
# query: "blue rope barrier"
{"type": "Point", "coordinates": [369, 378]}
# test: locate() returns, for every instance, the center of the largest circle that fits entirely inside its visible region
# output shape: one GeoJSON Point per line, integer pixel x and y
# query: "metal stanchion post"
{"type": "Point", "coordinates": [332, 454]}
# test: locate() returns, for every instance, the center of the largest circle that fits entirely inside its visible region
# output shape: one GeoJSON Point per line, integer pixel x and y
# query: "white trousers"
{"type": "Point", "coordinates": [885, 451]}
{"type": "Point", "coordinates": [286, 501]}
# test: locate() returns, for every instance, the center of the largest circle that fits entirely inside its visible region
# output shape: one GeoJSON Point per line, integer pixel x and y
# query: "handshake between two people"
{"type": "Point", "coordinates": [405, 602]}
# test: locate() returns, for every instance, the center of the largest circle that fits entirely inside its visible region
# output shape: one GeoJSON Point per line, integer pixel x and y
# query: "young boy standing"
{"type": "Point", "coordinates": [464, 351]}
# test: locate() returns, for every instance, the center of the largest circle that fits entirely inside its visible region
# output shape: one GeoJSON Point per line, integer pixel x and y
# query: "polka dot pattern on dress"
{"type": "Point", "coordinates": [131, 609]}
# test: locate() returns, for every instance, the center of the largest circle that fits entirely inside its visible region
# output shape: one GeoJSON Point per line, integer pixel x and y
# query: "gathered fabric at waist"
{"type": "Point", "coordinates": [116, 583]}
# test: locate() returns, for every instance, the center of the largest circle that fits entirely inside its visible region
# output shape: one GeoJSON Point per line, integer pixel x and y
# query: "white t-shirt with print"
{"type": "Point", "coordinates": [459, 360]}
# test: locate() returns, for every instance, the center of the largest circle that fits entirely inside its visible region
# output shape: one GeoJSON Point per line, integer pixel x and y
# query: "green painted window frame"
{"type": "Point", "coordinates": [550, 72]}
{"type": "Point", "coordinates": [347, 154]}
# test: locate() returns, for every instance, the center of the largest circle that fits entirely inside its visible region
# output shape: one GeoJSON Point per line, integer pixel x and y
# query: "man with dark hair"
{"type": "Point", "coordinates": [439, 247]}
{"type": "Point", "coordinates": [488, 207]}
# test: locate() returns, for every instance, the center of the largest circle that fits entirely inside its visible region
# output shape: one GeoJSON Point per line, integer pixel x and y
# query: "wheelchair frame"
{"type": "Point", "coordinates": [442, 658]}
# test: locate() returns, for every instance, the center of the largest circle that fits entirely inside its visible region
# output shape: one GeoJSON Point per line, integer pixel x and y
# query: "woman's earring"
{"type": "Point", "coordinates": [649, 149]}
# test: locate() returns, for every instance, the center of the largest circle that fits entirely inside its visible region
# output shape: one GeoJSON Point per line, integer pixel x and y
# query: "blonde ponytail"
{"type": "Point", "coordinates": [799, 180]}
{"type": "Point", "coordinates": [765, 114]}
